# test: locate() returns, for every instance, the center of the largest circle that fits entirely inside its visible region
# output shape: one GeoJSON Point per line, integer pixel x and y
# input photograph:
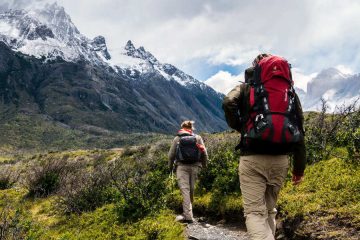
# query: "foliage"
{"type": "Point", "coordinates": [8, 176]}
{"type": "Point", "coordinates": [15, 222]}
{"type": "Point", "coordinates": [221, 174]}
{"type": "Point", "coordinates": [140, 180]}
{"type": "Point", "coordinates": [85, 190]}
{"type": "Point", "coordinates": [349, 136]}
{"type": "Point", "coordinates": [123, 193]}
{"type": "Point", "coordinates": [325, 132]}
{"type": "Point", "coordinates": [217, 206]}
{"type": "Point", "coordinates": [24, 133]}
{"type": "Point", "coordinates": [326, 203]}
{"type": "Point", "coordinates": [328, 185]}
{"type": "Point", "coordinates": [45, 176]}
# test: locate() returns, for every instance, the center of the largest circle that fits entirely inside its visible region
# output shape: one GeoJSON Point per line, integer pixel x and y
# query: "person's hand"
{"type": "Point", "coordinates": [297, 179]}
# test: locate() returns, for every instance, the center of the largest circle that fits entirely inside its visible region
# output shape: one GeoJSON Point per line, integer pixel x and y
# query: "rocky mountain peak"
{"type": "Point", "coordinates": [331, 73]}
{"type": "Point", "coordinates": [56, 17]}
{"type": "Point", "coordinates": [140, 52]}
{"type": "Point", "coordinates": [99, 45]}
{"type": "Point", "coordinates": [334, 86]}
{"type": "Point", "coordinates": [130, 46]}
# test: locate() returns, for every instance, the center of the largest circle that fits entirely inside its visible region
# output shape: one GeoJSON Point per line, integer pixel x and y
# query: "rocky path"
{"type": "Point", "coordinates": [200, 230]}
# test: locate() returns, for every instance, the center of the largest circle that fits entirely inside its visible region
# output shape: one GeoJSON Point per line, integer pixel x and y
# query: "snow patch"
{"type": "Point", "coordinates": [7, 30]}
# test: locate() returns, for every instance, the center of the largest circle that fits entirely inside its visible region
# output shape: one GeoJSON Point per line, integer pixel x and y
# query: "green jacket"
{"type": "Point", "coordinates": [236, 106]}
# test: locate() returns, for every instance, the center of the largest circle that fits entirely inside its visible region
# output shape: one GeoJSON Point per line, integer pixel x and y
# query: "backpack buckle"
{"type": "Point", "coordinates": [260, 123]}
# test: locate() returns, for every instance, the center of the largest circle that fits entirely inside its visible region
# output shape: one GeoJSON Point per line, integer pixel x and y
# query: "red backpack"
{"type": "Point", "coordinates": [271, 124]}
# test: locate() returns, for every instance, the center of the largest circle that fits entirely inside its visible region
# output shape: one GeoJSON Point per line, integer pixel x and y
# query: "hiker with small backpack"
{"type": "Point", "coordinates": [267, 112]}
{"type": "Point", "coordinates": [187, 156]}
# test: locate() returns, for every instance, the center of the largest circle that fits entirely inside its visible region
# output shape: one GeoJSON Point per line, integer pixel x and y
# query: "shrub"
{"type": "Point", "coordinates": [8, 176]}
{"type": "Point", "coordinates": [15, 222]}
{"type": "Point", "coordinates": [45, 175]}
{"type": "Point", "coordinates": [86, 189]}
{"type": "Point", "coordinates": [222, 171]}
{"type": "Point", "coordinates": [141, 191]}
{"type": "Point", "coordinates": [325, 132]}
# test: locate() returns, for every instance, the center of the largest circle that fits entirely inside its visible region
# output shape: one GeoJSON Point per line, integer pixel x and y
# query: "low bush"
{"type": "Point", "coordinates": [328, 185]}
{"type": "Point", "coordinates": [15, 221]}
{"type": "Point", "coordinates": [86, 189]}
{"type": "Point", "coordinates": [222, 172]}
{"type": "Point", "coordinates": [9, 175]}
{"type": "Point", "coordinates": [326, 132]}
{"type": "Point", "coordinates": [141, 187]}
{"type": "Point", "coordinates": [45, 175]}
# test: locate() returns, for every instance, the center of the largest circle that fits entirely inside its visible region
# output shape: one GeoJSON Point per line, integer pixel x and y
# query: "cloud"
{"type": "Point", "coordinates": [223, 81]}
{"type": "Point", "coordinates": [312, 34]}
{"type": "Point", "coordinates": [301, 79]}
{"type": "Point", "coordinates": [344, 69]}
{"type": "Point", "coordinates": [315, 34]}
{"type": "Point", "coordinates": [22, 4]}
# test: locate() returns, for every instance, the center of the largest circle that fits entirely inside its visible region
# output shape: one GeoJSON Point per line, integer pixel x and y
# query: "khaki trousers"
{"type": "Point", "coordinates": [261, 178]}
{"type": "Point", "coordinates": [186, 176]}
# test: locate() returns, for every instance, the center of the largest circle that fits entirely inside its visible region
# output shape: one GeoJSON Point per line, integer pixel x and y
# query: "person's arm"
{"type": "Point", "coordinates": [172, 153]}
{"type": "Point", "coordinates": [204, 154]}
{"type": "Point", "coordinates": [299, 114]}
{"type": "Point", "coordinates": [299, 148]}
{"type": "Point", "coordinates": [231, 108]}
{"type": "Point", "coordinates": [299, 163]}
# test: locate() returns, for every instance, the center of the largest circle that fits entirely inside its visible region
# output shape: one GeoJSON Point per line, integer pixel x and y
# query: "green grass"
{"type": "Point", "coordinates": [329, 186]}
{"type": "Point", "coordinates": [329, 197]}
{"type": "Point", "coordinates": [40, 220]}
{"type": "Point", "coordinates": [23, 133]}
{"type": "Point", "coordinates": [102, 224]}
{"type": "Point", "coordinates": [327, 203]}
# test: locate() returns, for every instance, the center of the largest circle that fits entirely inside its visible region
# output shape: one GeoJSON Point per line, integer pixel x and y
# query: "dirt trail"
{"type": "Point", "coordinates": [205, 231]}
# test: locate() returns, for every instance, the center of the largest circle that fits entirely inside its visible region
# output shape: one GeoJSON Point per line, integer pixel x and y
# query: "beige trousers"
{"type": "Point", "coordinates": [261, 178]}
{"type": "Point", "coordinates": [186, 176]}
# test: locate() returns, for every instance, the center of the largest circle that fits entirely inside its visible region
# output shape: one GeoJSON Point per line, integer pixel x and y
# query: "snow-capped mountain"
{"type": "Point", "coordinates": [333, 86]}
{"type": "Point", "coordinates": [77, 81]}
{"type": "Point", "coordinates": [48, 32]}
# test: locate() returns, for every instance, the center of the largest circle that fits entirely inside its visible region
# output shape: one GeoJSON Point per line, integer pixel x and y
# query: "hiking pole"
{"type": "Point", "coordinates": [172, 182]}
{"type": "Point", "coordinates": [172, 178]}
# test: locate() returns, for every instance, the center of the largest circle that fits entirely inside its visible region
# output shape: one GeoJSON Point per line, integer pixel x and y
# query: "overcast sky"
{"type": "Point", "coordinates": [218, 39]}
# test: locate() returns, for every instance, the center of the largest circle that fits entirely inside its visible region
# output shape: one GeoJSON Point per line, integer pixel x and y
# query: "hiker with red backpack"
{"type": "Point", "coordinates": [187, 156]}
{"type": "Point", "coordinates": [268, 114]}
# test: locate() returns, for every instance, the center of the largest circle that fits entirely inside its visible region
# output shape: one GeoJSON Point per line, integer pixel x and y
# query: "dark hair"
{"type": "Point", "coordinates": [188, 124]}
{"type": "Point", "coordinates": [259, 57]}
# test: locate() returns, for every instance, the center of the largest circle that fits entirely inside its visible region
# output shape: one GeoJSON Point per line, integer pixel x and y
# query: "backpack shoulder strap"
{"type": "Point", "coordinates": [244, 108]}
{"type": "Point", "coordinates": [299, 114]}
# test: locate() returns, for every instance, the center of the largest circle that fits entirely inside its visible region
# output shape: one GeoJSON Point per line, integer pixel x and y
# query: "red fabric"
{"type": "Point", "coordinates": [278, 122]}
{"type": "Point", "coordinates": [275, 76]}
{"type": "Point", "coordinates": [185, 130]}
{"type": "Point", "coordinates": [201, 147]}
{"type": "Point", "coordinates": [252, 97]}
{"type": "Point", "coordinates": [274, 66]}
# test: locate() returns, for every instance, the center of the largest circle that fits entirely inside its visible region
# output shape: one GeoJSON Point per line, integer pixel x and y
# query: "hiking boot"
{"type": "Point", "coordinates": [182, 219]}
{"type": "Point", "coordinates": [188, 221]}
{"type": "Point", "coordinates": [179, 218]}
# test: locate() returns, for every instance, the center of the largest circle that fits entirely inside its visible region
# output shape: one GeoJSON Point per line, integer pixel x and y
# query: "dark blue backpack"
{"type": "Point", "coordinates": [187, 150]}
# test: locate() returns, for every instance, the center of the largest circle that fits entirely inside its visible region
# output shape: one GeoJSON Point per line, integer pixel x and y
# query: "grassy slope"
{"type": "Point", "coordinates": [33, 133]}
{"type": "Point", "coordinates": [326, 203]}
{"type": "Point", "coordinates": [39, 218]}
{"type": "Point", "coordinates": [41, 221]}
